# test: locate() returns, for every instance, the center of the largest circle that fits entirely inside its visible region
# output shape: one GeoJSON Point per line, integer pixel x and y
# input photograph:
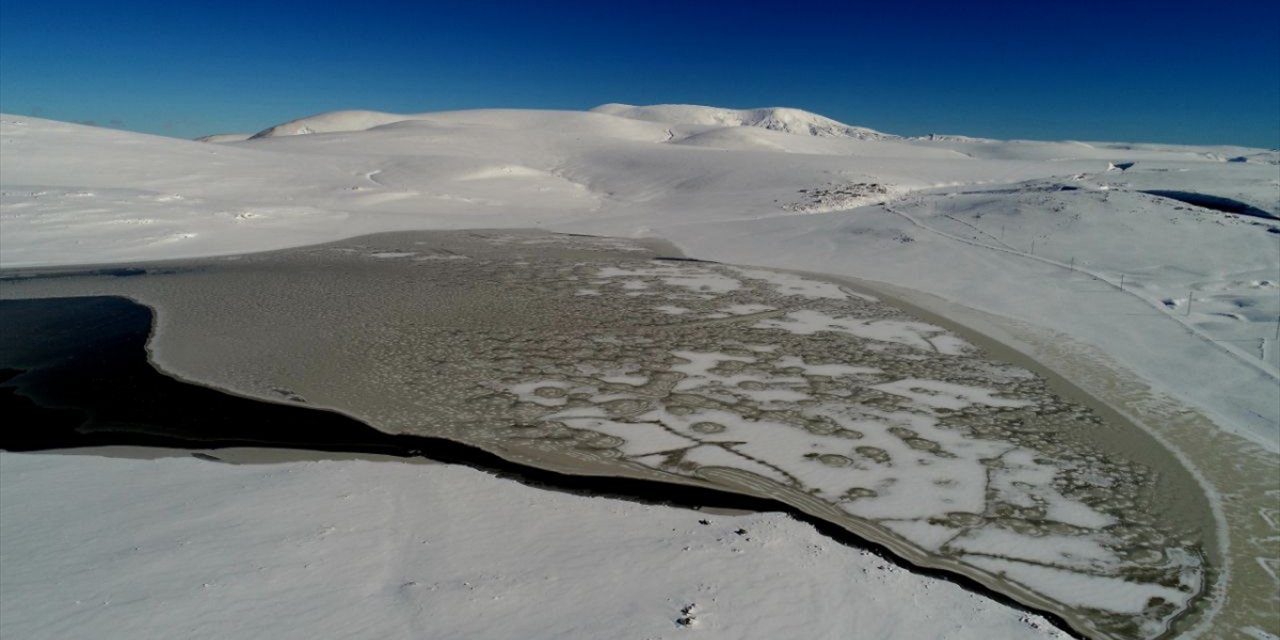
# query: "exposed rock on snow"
{"type": "Point", "coordinates": [942, 137]}
{"type": "Point", "coordinates": [842, 196]}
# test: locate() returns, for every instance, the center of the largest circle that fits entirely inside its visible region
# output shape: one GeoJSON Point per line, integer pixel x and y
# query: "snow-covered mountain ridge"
{"type": "Point", "coordinates": [699, 118]}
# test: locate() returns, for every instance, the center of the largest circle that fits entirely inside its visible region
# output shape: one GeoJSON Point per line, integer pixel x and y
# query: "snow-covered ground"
{"type": "Point", "coordinates": [178, 547]}
{"type": "Point", "coordinates": [1075, 250]}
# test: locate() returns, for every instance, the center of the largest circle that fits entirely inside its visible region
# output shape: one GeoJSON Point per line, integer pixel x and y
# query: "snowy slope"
{"type": "Point", "coordinates": [185, 548]}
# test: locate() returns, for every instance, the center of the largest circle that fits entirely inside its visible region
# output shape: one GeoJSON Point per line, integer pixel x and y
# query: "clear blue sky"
{"type": "Point", "coordinates": [1177, 71]}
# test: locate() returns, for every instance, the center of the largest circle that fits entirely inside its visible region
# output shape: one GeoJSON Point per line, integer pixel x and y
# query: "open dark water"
{"type": "Point", "coordinates": [74, 372]}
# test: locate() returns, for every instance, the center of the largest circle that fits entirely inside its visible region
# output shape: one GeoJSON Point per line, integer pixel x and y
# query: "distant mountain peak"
{"type": "Point", "coordinates": [331, 122]}
{"type": "Point", "coordinates": [783, 119]}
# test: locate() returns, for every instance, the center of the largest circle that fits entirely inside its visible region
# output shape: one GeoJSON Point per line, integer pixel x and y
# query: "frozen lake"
{"type": "Point", "coordinates": [611, 357]}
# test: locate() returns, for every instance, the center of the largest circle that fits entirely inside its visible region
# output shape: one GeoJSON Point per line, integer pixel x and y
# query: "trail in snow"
{"type": "Point", "coordinates": [1244, 358]}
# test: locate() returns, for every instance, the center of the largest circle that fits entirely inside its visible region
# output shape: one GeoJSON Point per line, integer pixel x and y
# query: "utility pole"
{"type": "Point", "coordinates": [1122, 282]}
{"type": "Point", "coordinates": [1188, 303]}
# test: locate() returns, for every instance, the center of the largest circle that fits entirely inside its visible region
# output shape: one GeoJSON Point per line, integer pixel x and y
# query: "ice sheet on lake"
{"type": "Point", "coordinates": [791, 284]}
{"type": "Point", "coordinates": [696, 279]}
{"type": "Point", "coordinates": [920, 335]}
{"type": "Point", "coordinates": [892, 420]}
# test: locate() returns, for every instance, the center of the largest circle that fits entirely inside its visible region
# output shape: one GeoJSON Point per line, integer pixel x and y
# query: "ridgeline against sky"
{"type": "Point", "coordinates": [1191, 72]}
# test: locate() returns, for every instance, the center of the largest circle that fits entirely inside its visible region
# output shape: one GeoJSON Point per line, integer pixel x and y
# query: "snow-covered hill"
{"type": "Point", "coordinates": [225, 137]}
{"type": "Point", "coordinates": [781, 119]}
{"type": "Point", "coordinates": [331, 122]}
{"type": "Point", "coordinates": [691, 119]}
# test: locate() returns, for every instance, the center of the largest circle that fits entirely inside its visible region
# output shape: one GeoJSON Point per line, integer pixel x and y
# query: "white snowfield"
{"type": "Point", "coordinates": [1082, 249]}
{"type": "Point", "coordinates": [106, 547]}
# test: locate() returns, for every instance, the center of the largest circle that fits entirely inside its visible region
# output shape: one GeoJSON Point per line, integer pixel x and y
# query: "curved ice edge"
{"type": "Point", "coordinates": [990, 329]}
{"type": "Point", "coordinates": [643, 486]}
